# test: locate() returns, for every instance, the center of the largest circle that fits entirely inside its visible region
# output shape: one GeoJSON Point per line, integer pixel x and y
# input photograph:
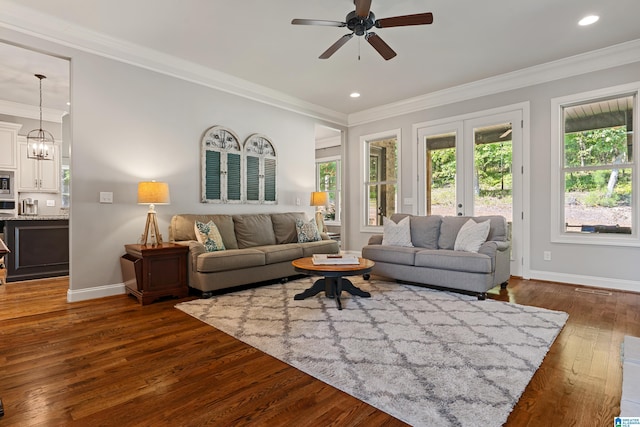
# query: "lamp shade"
{"type": "Point", "coordinates": [319, 198]}
{"type": "Point", "coordinates": [152, 192]}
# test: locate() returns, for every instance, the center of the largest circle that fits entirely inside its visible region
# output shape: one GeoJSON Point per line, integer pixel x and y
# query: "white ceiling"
{"type": "Point", "coordinates": [254, 40]}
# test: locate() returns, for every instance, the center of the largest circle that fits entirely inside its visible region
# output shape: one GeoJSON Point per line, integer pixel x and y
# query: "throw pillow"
{"type": "Point", "coordinates": [472, 235]}
{"type": "Point", "coordinates": [209, 235]}
{"type": "Point", "coordinates": [307, 231]}
{"type": "Point", "coordinates": [397, 234]}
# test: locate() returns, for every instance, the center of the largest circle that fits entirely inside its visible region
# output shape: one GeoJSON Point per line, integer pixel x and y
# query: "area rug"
{"type": "Point", "coordinates": [426, 357]}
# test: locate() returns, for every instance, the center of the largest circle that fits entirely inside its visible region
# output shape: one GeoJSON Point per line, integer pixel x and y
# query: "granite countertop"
{"type": "Point", "coordinates": [34, 217]}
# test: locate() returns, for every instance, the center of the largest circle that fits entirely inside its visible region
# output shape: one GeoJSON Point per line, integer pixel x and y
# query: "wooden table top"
{"type": "Point", "coordinates": [307, 264]}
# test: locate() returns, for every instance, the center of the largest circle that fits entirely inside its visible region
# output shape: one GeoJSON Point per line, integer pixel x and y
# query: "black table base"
{"type": "Point", "coordinates": [332, 287]}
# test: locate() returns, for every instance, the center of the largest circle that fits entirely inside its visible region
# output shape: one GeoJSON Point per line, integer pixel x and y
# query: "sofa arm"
{"type": "Point", "coordinates": [376, 239]}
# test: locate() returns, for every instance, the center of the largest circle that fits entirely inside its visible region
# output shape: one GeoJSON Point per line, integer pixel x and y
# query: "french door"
{"type": "Point", "coordinates": [473, 166]}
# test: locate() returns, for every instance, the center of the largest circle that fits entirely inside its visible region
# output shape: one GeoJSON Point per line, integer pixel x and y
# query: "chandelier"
{"type": "Point", "coordinates": [40, 142]}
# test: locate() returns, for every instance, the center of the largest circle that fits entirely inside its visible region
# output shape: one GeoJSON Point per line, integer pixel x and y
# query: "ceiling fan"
{"type": "Point", "coordinates": [360, 21]}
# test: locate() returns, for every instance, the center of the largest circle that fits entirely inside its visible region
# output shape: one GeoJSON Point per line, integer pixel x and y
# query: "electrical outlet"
{"type": "Point", "coordinates": [298, 201]}
{"type": "Point", "coordinates": [546, 255]}
{"type": "Point", "coordinates": [106, 197]}
{"type": "Point", "coordinates": [51, 203]}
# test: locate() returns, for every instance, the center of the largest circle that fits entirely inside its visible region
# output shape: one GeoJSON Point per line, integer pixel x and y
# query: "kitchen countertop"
{"type": "Point", "coordinates": [34, 217]}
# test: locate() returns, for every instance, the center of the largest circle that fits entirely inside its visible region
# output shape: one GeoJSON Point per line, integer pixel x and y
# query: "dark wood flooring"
{"type": "Point", "coordinates": [112, 362]}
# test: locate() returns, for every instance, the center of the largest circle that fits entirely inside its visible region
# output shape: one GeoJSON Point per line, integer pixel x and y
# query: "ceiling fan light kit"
{"type": "Point", "coordinates": [360, 21]}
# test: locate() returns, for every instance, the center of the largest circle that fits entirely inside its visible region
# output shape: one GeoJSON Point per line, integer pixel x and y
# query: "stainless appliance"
{"type": "Point", "coordinates": [5, 183]}
{"type": "Point", "coordinates": [29, 206]}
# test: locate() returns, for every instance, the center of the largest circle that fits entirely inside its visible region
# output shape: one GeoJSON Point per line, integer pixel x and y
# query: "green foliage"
{"type": "Point", "coordinates": [596, 147]}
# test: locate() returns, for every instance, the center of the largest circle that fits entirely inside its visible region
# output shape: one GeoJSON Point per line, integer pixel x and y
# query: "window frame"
{"type": "Point", "coordinates": [558, 232]}
{"type": "Point", "coordinates": [330, 159]}
{"type": "Point", "coordinates": [365, 140]}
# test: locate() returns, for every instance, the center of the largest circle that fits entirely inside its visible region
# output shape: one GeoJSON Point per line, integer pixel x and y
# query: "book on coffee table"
{"type": "Point", "coordinates": [331, 259]}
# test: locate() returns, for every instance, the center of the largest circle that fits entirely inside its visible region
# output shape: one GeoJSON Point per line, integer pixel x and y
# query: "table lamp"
{"type": "Point", "coordinates": [153, 193]}
{"type": "Point", "coordinates": [319, 199]}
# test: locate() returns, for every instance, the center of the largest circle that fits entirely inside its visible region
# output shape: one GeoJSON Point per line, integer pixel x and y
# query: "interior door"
{"type": "Point", "coordinates": [467, 169]}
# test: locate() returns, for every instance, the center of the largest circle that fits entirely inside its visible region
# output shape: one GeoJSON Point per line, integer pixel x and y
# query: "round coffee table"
{"type": "Point", "coordinates": [333, 281]}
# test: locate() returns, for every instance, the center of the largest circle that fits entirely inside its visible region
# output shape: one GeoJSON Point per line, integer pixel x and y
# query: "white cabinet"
{"type": "Point", "coordinates": [8, 145]}
{"type": "Point", "coordinates": [39, 175]}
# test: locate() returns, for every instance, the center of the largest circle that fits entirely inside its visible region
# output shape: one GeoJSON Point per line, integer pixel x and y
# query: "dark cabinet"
{"type": "Point", "coordinates": [155, 271]}
{"type": "Point", "coordinates": [39, 248]}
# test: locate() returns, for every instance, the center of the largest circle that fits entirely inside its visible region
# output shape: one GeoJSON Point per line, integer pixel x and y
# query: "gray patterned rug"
{"type": "Point", "coordinates": [429, 358]}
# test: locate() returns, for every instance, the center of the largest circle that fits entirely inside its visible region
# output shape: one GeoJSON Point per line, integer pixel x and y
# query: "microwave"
{"type": "Point", "coordinates": [5, 183]}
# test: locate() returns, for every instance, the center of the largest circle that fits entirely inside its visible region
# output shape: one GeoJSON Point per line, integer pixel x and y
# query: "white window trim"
{"type": "Point", "coordinates": [558, 234]}
{"type": "Point", "coordinates": [338, 221]}
{"type": "Point", "coordinates": [364, 139]}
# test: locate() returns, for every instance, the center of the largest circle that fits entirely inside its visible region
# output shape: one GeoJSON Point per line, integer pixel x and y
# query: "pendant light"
{"type": "Point", "coordinates": [40, 142]}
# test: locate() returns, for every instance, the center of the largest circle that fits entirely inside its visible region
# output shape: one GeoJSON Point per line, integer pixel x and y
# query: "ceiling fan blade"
{"type": "Point", "coordinates": [363, 7]}
{"type": "Point", "coordinates": [405, 20]}
{"type": "Point", "coordinates": [337, 45]}
{"type": "Point", "coordinates": [318, 22]}
{"type": "Point", "coordinates": [380, 45]}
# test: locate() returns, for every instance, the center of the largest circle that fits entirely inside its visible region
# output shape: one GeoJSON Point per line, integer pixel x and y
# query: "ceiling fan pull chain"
{"type": "Point", "coordinates": [359, 49]}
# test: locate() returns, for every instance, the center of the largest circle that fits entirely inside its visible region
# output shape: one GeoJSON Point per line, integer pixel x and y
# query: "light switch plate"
{"type": "Point", "coordinates": [106, 197]}
{"type": "Point", "coordinates": [51, 203]}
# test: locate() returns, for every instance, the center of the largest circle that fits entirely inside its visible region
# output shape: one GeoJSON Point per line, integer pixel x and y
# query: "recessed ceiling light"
{"type": "Point", "coordinates": [588, 20]}
{"type": "Point", "coordinates": [355, 95]}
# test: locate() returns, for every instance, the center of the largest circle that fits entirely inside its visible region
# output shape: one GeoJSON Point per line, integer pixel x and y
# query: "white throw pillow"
{"type": "Point", "coordinates": [397, 234]}
{"type": "Point", "coordinates": [472, 235]}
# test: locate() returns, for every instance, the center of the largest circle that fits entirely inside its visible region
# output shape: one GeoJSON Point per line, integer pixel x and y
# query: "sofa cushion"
{"type": "Point", "coordinates": [284, 226]}
{"type": "Point", "coordinates": [425, 231]}
{"type": "Point", "coordinates": [254, 230]}
{"type": "Point", "coordinates": [280, 253]}
{"type": "Point", "coordinates": [209, 236]}
{"type": "Point", "coordinates": [320, 247]}
{"type": "Point", "coordinates": [452, 224]}
{"type": "Point", "coordinates": [444, 259]}
{"type": "Point", "coordinates": [232, 259]}
{"type": "Point", "coordinates": [182, 228]}
{"type": "Point", "coordinates": [307, 231]}
{"type": "Point", "coordinates": [471, 235]}
{"type": "Point", "coordinates": [397, 234]}
{"type": "Point", "coordinates": [391, 254]}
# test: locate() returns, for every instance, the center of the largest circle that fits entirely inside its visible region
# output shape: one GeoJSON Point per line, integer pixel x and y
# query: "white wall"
{"type": "Point", "coordinates": [606, 266]}
{"type": "Point", "coordinates": [130, 124]}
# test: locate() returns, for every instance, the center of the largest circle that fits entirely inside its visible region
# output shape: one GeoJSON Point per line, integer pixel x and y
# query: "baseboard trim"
{"type": "Point", "coordinates": [576, 279]}
{"type": "Point", "coordinates": [75, 295]}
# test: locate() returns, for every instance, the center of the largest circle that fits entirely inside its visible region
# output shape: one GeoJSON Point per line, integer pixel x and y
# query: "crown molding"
{"type": "Point", "coordinates": [31, 112]}
{"type": "Point", "coordinates": [29, 21]}
{"type": "Point", "coordinates": [609, 57]}
{"type": "Point", "coordinates": [332, 141]}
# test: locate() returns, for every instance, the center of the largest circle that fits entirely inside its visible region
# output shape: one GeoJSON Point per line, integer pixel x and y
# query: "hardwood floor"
{"type": "Point", "coordinates": [112, 362]}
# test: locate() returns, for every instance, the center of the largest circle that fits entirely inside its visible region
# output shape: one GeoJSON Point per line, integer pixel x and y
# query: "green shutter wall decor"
{"type": "Point", "coordinates": [260, 170]}
{"type": "Point", "coordinates": [221, 174]}
{"type": "Point", "coordinates": [231, 173]}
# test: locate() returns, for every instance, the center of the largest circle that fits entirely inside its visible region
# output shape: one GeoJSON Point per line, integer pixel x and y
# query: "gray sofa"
{"type": "Point", "coordinates": [258, 247]}
{"type": "Point", "coordinates": [432, 260]}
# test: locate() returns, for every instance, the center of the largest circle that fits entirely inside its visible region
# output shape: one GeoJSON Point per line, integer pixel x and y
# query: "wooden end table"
{"type": "Point", "coordinates": [155, 271]}
{"type": "Point", "coordinates": [333, 281]}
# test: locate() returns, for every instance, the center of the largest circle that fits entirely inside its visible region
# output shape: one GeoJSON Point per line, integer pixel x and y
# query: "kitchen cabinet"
{"type": "Point", "coordinates": [39, 247]}
{"type": "Point", "coordinates": [8, 144]}
{"type": "Point", "coordinates": [38, 175]}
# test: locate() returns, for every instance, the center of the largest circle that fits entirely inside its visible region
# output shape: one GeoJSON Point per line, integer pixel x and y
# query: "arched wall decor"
{"type": "Point", "coordinates": [221, 166]}
{"type": "Point", "coordinates": [260, 170]}
{"type": "Point", "coordinates": [235, 173]}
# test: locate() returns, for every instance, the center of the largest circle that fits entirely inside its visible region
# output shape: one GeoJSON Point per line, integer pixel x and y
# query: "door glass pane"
{"type": "Point", "coordinates": [382, 202]}
{"type": "Point", "coordinates": [441, 174]}
{"type": "Point", "coordinates": [492, 177]}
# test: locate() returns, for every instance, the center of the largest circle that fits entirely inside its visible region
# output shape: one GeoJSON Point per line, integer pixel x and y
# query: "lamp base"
{"type": "Point", "coordinates": [320, 221]}
{"type": "Point", "coordinates": [152, 225]}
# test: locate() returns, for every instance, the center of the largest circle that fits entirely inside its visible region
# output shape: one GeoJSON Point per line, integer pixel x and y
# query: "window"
{"type": "Point", "coordinates": [597, 168]}
{"type": "Point", "coordinates": [381, 162]}
{"type": "Point", "coordinates": [328, 178]}
{"type": "Point", "coordinates": [65, 188]}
